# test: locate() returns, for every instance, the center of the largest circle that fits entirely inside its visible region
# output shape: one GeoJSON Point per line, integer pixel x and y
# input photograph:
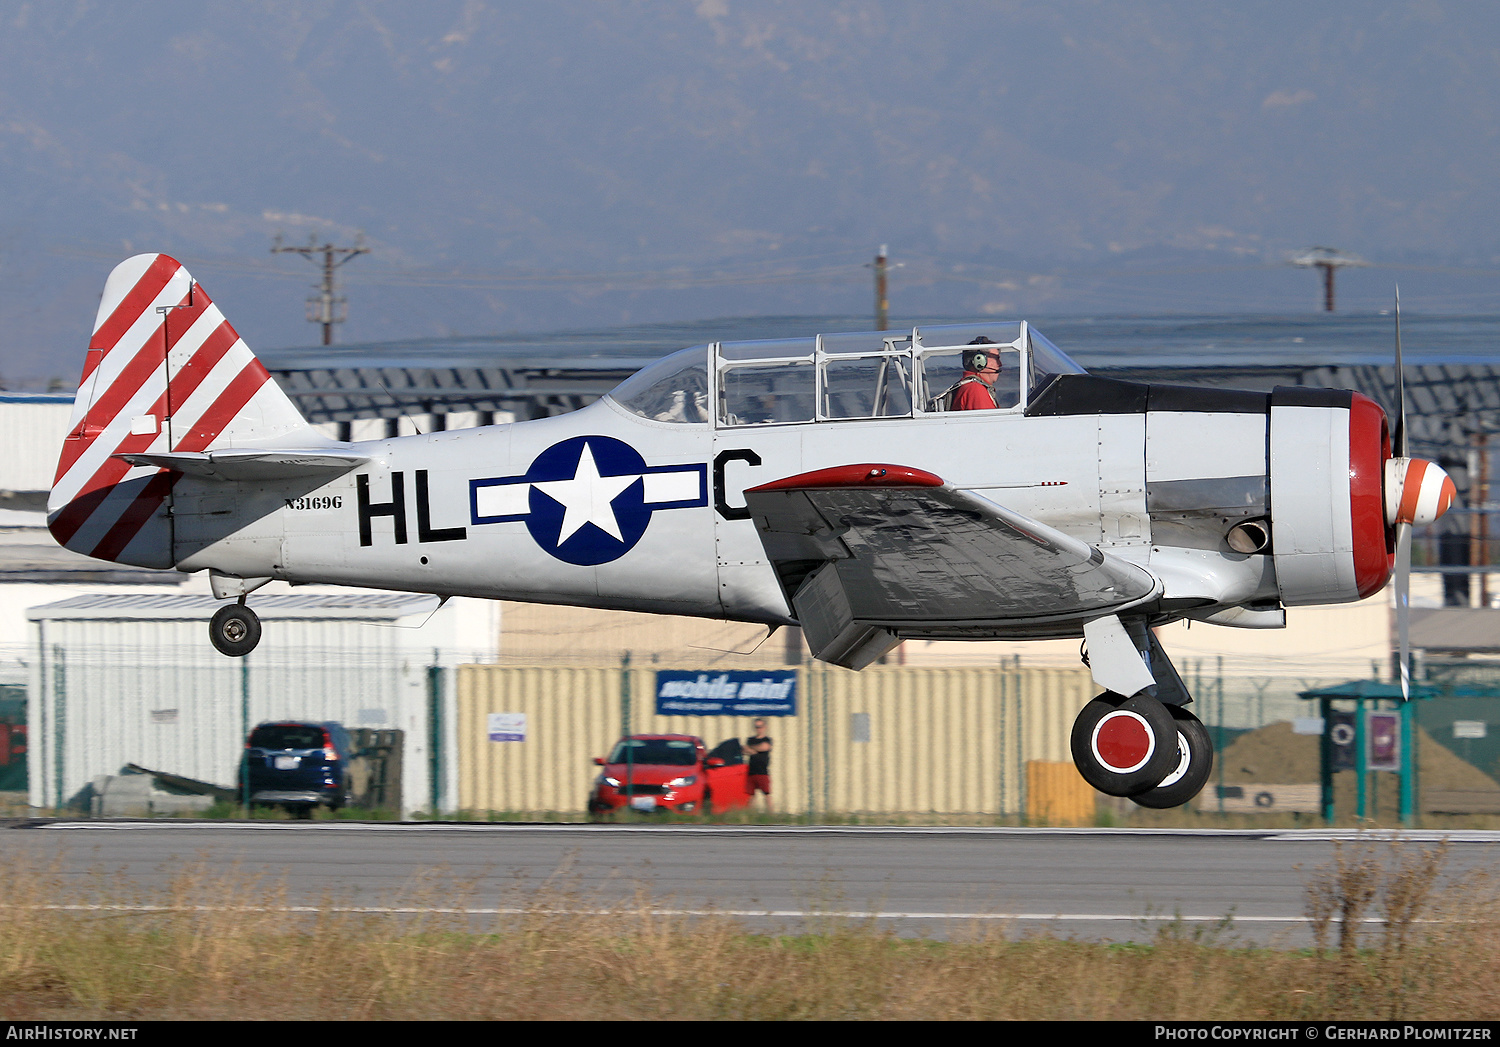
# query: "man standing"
{"type": "Point", "coordinates": [758, 750]}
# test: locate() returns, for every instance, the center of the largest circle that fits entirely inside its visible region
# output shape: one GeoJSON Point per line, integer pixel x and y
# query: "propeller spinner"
{"type": "Point", "coordinates": [1416, 491]}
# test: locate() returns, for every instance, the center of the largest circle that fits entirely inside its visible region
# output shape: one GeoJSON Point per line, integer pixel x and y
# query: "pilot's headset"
{"type": "Point", "coordinates": [978, 359]}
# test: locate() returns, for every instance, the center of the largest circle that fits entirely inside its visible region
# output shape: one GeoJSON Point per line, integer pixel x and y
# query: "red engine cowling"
{"type": "Point", "coordinates": [1333, 525]}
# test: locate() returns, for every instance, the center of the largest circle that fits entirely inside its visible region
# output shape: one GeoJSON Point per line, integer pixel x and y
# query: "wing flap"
{"type": "Point", "coordinates": [916, 556]}
{"type": "Point", "coordinates": [248, 463]}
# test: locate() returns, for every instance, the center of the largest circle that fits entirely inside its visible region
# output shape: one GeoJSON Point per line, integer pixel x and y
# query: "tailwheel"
{"type": "Point", "coordinates": [234, 630]}
{"type": "Point", "coordinates": [1124, 746]}
{"type": "Point", "coordinates": [1195, 762]}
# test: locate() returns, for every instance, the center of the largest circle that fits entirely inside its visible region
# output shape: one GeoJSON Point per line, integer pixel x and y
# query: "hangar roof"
{"type": "Point", "coordinates": [1452, 372]}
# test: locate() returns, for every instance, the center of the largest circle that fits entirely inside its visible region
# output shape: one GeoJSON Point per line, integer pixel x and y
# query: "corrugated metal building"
{"type": "Point", "coordinates": [886, 740]}
{"type": "Point", "coordinates": [32, 429]}
{"type": "Point", "coordinates": [131, 678]}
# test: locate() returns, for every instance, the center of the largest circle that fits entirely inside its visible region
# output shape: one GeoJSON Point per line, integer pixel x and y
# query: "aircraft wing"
{"type": "Point", "coordinates": [249, 463]}
{"type": "Point", "coordinates": [870, 554]}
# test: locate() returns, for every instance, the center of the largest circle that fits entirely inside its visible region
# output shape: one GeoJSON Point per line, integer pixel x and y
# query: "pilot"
{"type": "Point", "coordinates": [974, 391]}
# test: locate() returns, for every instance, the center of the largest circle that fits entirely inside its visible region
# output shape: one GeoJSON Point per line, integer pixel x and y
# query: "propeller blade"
{"type": "Point", "coordinates": [1399, 441]}
{"type": "Point", "coordinates": [1403, 604]}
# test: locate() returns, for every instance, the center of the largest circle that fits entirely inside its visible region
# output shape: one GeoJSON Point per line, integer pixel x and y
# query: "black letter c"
{"type": "Point", "coordinates": [727, 511]}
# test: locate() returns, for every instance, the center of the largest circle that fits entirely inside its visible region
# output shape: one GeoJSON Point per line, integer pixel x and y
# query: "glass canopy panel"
{"type": "Point", "coordinates": [864, 342]}
{"type": "Point", "coordinates": [941, 372]}
{"type": "Point", "coordinates": [1047, 360]}
{"type": "Point", "coordinates": [673, 389]}
{"type": "Point", "coordinates": [766, 393]}
{"type": "Point", "coordinates": [1004, 332]}
{"type": "Point", "coordinates": [866, 386]}
{"type": "Point", "coordinates": [768, 349]}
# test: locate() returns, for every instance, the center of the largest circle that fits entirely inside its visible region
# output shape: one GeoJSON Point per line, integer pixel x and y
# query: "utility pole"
{"type": "Point", "coordinates": [1327, 259]}
{"type": "Point", "coordinates": [326, 307]}
{"type": "Point", "coordinates": [882, 302]}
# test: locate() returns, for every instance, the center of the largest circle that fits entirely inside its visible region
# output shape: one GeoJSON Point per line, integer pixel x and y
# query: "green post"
{"type": "Point", "coordinates": [1361, 765]}
{"type": "Point", "coordinates": [1325, 758]}
{"type": "Point", "coordinates": [1408, 763]}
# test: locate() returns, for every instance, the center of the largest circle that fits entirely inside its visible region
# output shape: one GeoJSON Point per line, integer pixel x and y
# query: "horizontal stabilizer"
{"type": "Point", "coordinates": [248, 463]}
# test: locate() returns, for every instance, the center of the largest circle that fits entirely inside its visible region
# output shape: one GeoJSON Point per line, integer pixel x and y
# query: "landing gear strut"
{"type": "Point", "coordinates": [234, 630]}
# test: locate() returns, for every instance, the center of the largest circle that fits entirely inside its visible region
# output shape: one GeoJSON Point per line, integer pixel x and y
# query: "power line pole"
{"type": "Point", "coordinates": [1327, 259]}
{"type": "Point", "coordinates": [326, 307]}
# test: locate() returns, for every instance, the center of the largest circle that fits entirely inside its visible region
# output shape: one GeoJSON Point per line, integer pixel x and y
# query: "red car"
{"type": "Point", "coordinates": [671, 772]}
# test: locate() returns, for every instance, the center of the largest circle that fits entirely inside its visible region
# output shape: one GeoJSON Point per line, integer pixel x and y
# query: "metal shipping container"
{"type": "Point", "coordinates": [885, 740]}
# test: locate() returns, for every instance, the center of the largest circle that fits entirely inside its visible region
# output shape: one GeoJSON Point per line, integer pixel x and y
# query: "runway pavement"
{"type": "Point", "coordinates": [1096, 884]}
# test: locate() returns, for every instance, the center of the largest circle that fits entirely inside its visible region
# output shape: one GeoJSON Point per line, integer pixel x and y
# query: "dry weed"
{"type": "Point", "coordinates": [218, 944]}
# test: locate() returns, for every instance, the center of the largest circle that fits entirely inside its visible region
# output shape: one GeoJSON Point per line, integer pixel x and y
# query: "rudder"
{"type": "Point", "coordinates": [165, 372]}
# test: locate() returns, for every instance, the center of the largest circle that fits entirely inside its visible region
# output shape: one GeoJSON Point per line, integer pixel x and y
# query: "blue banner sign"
{"type": "Point", "coordinates": [726, 693]}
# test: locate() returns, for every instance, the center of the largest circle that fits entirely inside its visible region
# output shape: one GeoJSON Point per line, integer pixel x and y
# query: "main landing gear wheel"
{"type": "Point", "coordinates": [234, 630]}
{"type": "Point", "coordinates": [1195, 762]}
{"type": "Point", "coordinates": [1124, 746]}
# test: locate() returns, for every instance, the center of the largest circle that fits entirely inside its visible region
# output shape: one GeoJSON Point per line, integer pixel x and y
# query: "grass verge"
{"type": "Point", "coordinates": [220, 945]}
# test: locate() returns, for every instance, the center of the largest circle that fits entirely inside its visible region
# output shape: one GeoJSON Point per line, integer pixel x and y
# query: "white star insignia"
{"type": "Point", "coordinates": [587, 498]}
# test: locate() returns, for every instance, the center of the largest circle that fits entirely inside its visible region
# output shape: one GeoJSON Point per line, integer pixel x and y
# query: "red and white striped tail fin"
{"type": "Point", "coordinates": [165, 372]}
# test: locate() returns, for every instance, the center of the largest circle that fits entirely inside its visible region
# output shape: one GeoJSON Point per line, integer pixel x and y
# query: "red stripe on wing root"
{"type": "Point", "coordinates": [855, 476]}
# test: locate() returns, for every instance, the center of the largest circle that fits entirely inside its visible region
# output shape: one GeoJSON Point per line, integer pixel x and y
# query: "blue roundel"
{"type": "Point", "coordinates": [587, 500]}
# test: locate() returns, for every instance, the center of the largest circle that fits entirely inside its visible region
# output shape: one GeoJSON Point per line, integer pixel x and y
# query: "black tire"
{"type": "Point", "coordinates": [1194, 766]}
{"type": "Point", "coordinates": [1124, 746]}
{"type": "Point", "coordinates": [234, 630]}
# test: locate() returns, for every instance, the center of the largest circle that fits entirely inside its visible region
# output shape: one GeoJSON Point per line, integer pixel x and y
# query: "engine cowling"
{"type": "Point", "coordinates": [1337, 495]}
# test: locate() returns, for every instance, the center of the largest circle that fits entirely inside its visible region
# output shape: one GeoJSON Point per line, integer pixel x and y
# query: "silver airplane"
{"type": "Point", "coordinates": [861, 486]}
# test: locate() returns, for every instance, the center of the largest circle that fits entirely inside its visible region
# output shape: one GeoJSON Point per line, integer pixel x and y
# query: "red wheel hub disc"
{"type": "Point", "coordinates": [1123, 741]}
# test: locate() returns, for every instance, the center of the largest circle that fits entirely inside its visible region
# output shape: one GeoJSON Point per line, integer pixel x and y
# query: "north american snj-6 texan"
{"type": "Point", "coordinates": [831, 482]}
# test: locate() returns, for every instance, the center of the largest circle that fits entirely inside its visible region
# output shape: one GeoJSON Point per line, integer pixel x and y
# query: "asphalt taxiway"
{"type": "Point", "coordinates": [1096, 884]}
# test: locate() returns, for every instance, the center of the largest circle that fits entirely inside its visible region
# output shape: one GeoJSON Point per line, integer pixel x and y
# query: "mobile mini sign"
{"type": "Point", "coordinates": [726, 693]}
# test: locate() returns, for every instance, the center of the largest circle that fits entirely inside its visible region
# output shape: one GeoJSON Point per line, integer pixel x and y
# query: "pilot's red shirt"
{"type": "Point", "coordinates": [973, 396]}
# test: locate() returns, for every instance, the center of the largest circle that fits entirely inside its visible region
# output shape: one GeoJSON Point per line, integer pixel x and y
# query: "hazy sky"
{"type": "Point", "coordinates": [543, 166]}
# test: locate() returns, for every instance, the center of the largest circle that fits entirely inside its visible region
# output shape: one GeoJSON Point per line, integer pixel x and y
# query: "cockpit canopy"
{"type": "Point", "coordinates": [833, 377]}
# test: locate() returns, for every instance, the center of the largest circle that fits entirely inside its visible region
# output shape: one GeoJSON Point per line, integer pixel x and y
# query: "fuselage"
{"type": "Point", "coordinates": [1236, 503]}
{"type": "Point", "coordinates": [606, 508]}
